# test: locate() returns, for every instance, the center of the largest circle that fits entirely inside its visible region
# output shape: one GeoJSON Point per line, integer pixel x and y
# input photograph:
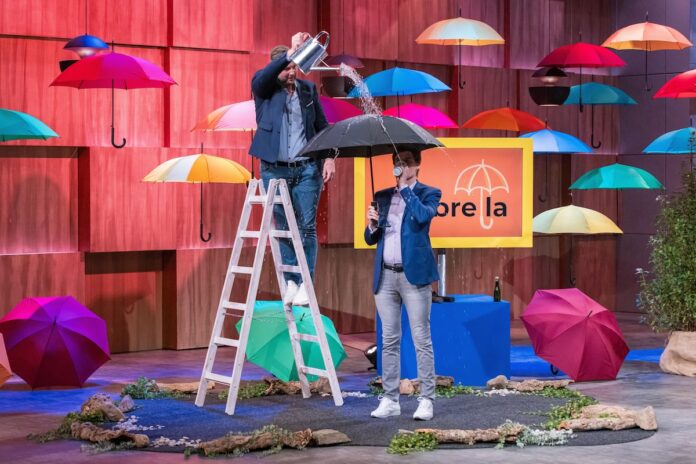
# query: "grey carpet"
{"type": "Point", "coordinates": [181, 418]}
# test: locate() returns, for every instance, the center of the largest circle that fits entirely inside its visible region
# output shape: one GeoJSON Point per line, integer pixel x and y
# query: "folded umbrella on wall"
{"type": "Point", "coordinates": [617, 176]}
{"type": "Point", "coordinates": [269, 340]}
{"type": "Point", "coordinates": [460, 31]}
{"type": "Point", "coordinates": [113, 71]}
{"type": "Point", "coordinates": [507, 119]}
{"type": "Point", "coordinates": [15, 125]}
{"type": "Point", "coordinates": [54, 341]}
{"type": "Point", "coordinates": [200, 169]}
{"type": "Point", "coordinates": [5, 371]}
{"type": "Point", "coordinates": [369, 135]}
{"type": "Point", "coordinates": [575, 333]}
{"type": "Point", "coordinates": [649, 37]}
{"type": "Point", "coordinates": [594, 93]}
{"type": "Point", "coordinates": [424, 116]}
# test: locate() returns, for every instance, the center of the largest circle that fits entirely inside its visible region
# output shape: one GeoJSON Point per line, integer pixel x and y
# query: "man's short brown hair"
{"type": "Point", "coordinates": [416, 156]}
{"type": "Point", "coordinates": [278, 50]}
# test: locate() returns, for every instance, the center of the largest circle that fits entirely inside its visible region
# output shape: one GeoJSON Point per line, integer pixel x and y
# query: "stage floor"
{"type": "Point", "coordinates": [640, 383]}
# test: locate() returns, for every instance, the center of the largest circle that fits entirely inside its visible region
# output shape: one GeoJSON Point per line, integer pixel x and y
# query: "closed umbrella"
{"type": "Point", "coordinates": [269, 344]}
{"type": "Point", "coordinates": [15, 125]}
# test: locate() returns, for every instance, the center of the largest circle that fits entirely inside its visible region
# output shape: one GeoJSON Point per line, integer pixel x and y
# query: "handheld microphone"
{"type": "Point", "coordinates": [397, 171]}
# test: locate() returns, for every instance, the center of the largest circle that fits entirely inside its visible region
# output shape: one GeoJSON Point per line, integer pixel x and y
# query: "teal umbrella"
{"type": "Point", "coordinates": [269, 345]}
{"type": "Point", "coordinates": [617, 176]}
{"type": "Point", "coordinates": [15, 125]}
{"type": "Point", "coordinates": [594, 93]}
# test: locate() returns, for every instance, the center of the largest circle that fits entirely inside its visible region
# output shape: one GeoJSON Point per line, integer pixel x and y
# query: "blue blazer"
{"type": "Point", "coordinates": [269, 98]}
{"type": "Point", "coordinates": [416, 252]}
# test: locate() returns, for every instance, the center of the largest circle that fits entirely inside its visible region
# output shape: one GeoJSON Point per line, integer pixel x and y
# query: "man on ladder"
{"type": "Point", "coordinates": [288, 114]}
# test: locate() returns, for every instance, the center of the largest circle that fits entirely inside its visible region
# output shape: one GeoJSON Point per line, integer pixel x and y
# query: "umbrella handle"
{"type": "Point", "coordinates": [113, 139]}
{"type": "Point", "coordinates": [599, 144]}
{"type": "Point", "coordinates": [202, 235]}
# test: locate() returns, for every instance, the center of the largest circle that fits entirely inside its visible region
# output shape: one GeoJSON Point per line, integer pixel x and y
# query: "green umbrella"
{"type": "Point", "coordinates": [617, 176]}
{"type": "Point", "coordinates": [269, 342]}
{"type": "Point", "coordinates": [15, 125]}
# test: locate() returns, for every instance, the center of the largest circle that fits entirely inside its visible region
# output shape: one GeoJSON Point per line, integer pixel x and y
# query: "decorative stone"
{"type": "Point", "coordinates": [126, 404]}
{"type": "Point", "coordinates": [327, 437]}
{"type": "Point", "coordinates": [102, 403]}
{"type": "Point", "coordinates": [183, 387]}
{"type": "Point", "coordinates": [90, 432]}
{"type": "Point", "coordinates": [679, 356]}
{"type": "Point", "coordinates": [601, 416]}
{"type": "Point", "coordinates": [532, 385]}
{"type": "Point", "coordinates": [471, 436]}
{"type": "Point", "coordinates": [259, 441]}
{"type": "Point", "coordinates": [406, 387]}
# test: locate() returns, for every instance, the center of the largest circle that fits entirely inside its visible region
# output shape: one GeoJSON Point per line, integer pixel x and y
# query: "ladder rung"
{"type": "Point", "coordinates": [280, 234]}
{"type": "Point", "coordinates": [226, 341]}
{"type": "Point", "coordinates": [288, 268]}
{"type": "Point", "coordinates": [262, 199]}
{"type": "Point", "coordinates": [234, 306]}
{"type": "Point", "coordinates": [250, 234]}
{"type": "Point", "coordinates": [242, 270]}
{"type": "Point", "coordinates": [307, 337]}
{"type": "Point", "coordinates": [313, 371]}
{"type": "Point", "coordinates": [219, 378]}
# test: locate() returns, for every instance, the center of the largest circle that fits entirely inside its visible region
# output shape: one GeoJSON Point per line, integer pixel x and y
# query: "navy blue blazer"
{"type": "Point", "coordinates": [269, 97]}
{"type": "Point", "coordinates": [416, 252]}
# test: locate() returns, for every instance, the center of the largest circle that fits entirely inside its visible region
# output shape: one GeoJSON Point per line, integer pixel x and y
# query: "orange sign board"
{"type": "Point", "coordinates": [486, 188]}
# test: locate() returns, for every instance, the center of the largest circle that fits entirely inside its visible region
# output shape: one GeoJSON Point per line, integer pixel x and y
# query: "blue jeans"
{"type": "Point", "coordinates": [304, 184]}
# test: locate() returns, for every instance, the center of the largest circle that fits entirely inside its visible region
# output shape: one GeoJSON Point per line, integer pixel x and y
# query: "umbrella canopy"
{"type": "Point", "coordinates": [594, 93]}
{"type": "Point", "coordinates": [680, 141]}
{"type": "Point", "coordinates": [401, 81]}
{"type": "Point", "coordinates": [680, 86]}
{"type": "Point", "coordinates": [424, 116]}
{"type": "Point", "coordinates": [575, 333]}
{"type": "Point", "coordinates": [508, 119]}
{"type": "Point", "coordinates": [54, 341]}
{"type": "Point", "coordinates": [15, 125]}
{"type": "Point", "coordinates": [550, 141]}
{"type": "Point", "coordinates": [269, 341]}
{"type": "Point", "coordinates": [200, 168]}
{"type": "Point", "coordinates": [617, 176]}
{"type": "Point", "coordinates": [574, 220]}
{"type": "Point", "coordinates": [581, 55]}
{"type": "Point", "coordinates": [647, 36]}
{"type": "Point", "coordinates": [349, 60]}
{"type": "Point", "coordinates": [338, 110]}
{"type": "Point", "coordinates": [5, 371]}
{"type": "Point", "coordinates": [115, 71]}
{"type": "Point", "coordinates": [239, 116]}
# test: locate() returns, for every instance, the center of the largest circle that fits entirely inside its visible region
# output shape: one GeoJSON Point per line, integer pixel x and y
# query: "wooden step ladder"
{"type": "Point", "coordinates": [256, 195]}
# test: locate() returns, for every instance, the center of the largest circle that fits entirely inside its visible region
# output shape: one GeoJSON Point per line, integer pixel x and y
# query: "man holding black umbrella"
{"type": "Point", "coordinates": [288, 114]}
{"type": "Point", "coordinates": [404, 270]}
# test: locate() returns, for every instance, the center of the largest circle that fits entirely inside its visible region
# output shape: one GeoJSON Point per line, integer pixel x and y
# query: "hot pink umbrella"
{"type": "Point", "coordinates": [575, 333]}
{"type": "Point", "coordinates": [424, 116]}
{"type": "Point", "coordinates": [114, 71]}
{"type": "Point", "coordinates": [54, 341]}
{"type": "Point", "coordinates": [338, 110]}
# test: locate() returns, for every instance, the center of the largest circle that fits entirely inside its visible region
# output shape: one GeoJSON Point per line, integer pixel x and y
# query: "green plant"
{"type": "Point", "coordinates": [253, 390]}
{"type": "Point", "coordinates": [144, 389]}
{"type": "Point", "coordinates": [64, 429]}
{"type": "Point", "coordinates": [551, 392]}
{"type": "Point", "coordinates": [404, 443]}
{"type": "Point", "coordinates": [453, 390]}
{"type": "Point", "coordinates": [570, 410]}
{"type": "Point", "coordinates": [668, 296]}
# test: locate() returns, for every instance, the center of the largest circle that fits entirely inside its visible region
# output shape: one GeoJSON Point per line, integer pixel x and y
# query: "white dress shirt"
{"type": "Point", "coordinates": [392, 233]}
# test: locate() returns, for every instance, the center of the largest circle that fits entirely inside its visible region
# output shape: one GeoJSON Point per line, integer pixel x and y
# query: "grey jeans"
{"type": "Point", "coordinates": [394, 289]}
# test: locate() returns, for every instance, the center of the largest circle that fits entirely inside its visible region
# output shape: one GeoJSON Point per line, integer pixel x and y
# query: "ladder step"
{"type": "Point", "coordinates": [288, 268]}
{"type": "Point", "coordinates": [234, 306]}
{"type": "Point", "coordinates": [219, 378]}
{"type": "Point", "coordinates": [280, 234]}
{"type": "Point", "coordinates": [250, 234]}
{"type": "Point", "coordinates": [222, 341]}
{"type": "Point", "coordinates": [242, 270]}
{"type": "Point", "coordinates": [307, 337]}
{"type": "Point", "coordinates": [262, 199]}
{"type": "Point", "coordinates": [313, 371]}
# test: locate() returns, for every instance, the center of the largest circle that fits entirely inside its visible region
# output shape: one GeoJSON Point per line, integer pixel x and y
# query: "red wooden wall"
{"type": "Point", "coordinates": [77, 220]}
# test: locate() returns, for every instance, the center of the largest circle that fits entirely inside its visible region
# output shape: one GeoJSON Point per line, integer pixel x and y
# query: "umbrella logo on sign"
{"type": "Point", "coordinates": [484, 179]}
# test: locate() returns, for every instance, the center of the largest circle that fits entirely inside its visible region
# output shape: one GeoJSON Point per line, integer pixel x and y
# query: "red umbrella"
{"type": "Point", "coordinates": [114, 71]}
{"type": "Point", "coordinates": [575, 333]}
{"type": "Point", "coordinates": [507, 119]}
{"type": "Point", "coordinates": [581, 55]}
{"type": "Point", "coordinates": [424, 116]}
{"type": "Point", "coordinates": [680, 86]}
{"type": "Point", "coordinates": [54, 341]}
{"type": "Point", "coordinates": [338, 110]}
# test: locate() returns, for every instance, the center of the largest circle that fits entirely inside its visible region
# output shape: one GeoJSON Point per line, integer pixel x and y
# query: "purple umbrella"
{"type": "Point", "coordinates": [54, 341]}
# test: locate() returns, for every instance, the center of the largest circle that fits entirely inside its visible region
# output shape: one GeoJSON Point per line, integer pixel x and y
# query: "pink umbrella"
{"type": "Point", "coordinates": [338, 110]}
{"type": "Point", "coordinates": [424, 116]}
{"type": "Point", "coordinates": [239, 116]}
{"type": "Point", "coordinates": [575, 333]}
{"type": "Point", "coordinates": [114, 71]}
{"type": "Point", "coordinates": [54, 341]}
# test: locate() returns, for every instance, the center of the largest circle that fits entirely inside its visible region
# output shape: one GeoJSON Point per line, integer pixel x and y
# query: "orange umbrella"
{"type": "Point", "coordinates": [505, 118]}
{"type": "Point", "coordinates": [5, 372]}
{"type": "Point", "coordinates": [649, 37]}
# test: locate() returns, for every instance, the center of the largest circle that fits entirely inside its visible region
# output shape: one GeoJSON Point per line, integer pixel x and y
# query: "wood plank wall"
{"type": "Point", "coordinates": [77, 220]}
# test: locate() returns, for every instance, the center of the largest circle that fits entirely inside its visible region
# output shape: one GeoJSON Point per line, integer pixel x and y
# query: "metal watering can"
{"type": "Point", "coordinates": [312, 52]}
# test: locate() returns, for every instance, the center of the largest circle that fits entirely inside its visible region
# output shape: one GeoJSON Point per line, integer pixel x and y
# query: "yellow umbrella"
{"type": "Point", "coordinates": [574, 220]}
{"type": "Point", "coordinates": [460, 31]}
{"type": "Point", "coordinates": [199, 168]}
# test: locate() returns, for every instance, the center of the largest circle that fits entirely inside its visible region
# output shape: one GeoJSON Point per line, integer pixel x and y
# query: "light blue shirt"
{"type": "Point", "coordinates": [292, 131]}
{"type": "Point", "coordinates": [392, 234]}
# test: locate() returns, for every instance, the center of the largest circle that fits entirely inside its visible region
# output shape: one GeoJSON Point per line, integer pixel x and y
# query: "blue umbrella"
{"type": "Point", "coordinates": [15, 125]}
{"type": "Point", "coordinates": [594, 93]}
{"type": "Point", "coordinates": [680, 141]}
{"type": "Point", "coordinates": [550, 141]}
{"type": "Point", "coordinates": [400, 81]}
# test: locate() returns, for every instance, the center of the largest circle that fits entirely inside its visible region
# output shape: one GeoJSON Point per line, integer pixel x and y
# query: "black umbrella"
{"type": "Point", "coordinates": [369, 135]}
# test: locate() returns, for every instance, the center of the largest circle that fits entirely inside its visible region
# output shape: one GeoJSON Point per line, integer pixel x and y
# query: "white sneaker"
{"type": "Point", "coordinates": [425, 409]}
{"type": "Point", "coordinates": [386, 408]}
{"type": "Point", "coordinates": [290, 292]}
{"type": "Point", "coordinates": [301, 298]}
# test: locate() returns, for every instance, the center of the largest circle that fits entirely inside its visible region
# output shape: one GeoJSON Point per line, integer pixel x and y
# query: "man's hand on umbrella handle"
{"type": "Point", "coordinates": [329, 169]}
{"type": "Point", "coordinates": [297, 40]}
{"type": "Point", "coordinates": [372, 217]}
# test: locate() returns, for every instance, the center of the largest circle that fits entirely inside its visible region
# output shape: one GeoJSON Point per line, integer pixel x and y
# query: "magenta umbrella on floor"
{"type": "Point", "coordinates": [424, 116]}
{"type": "Point", "coordinates": [54, 341]}
{"type": "Point", "coordinates": [575, 333]}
